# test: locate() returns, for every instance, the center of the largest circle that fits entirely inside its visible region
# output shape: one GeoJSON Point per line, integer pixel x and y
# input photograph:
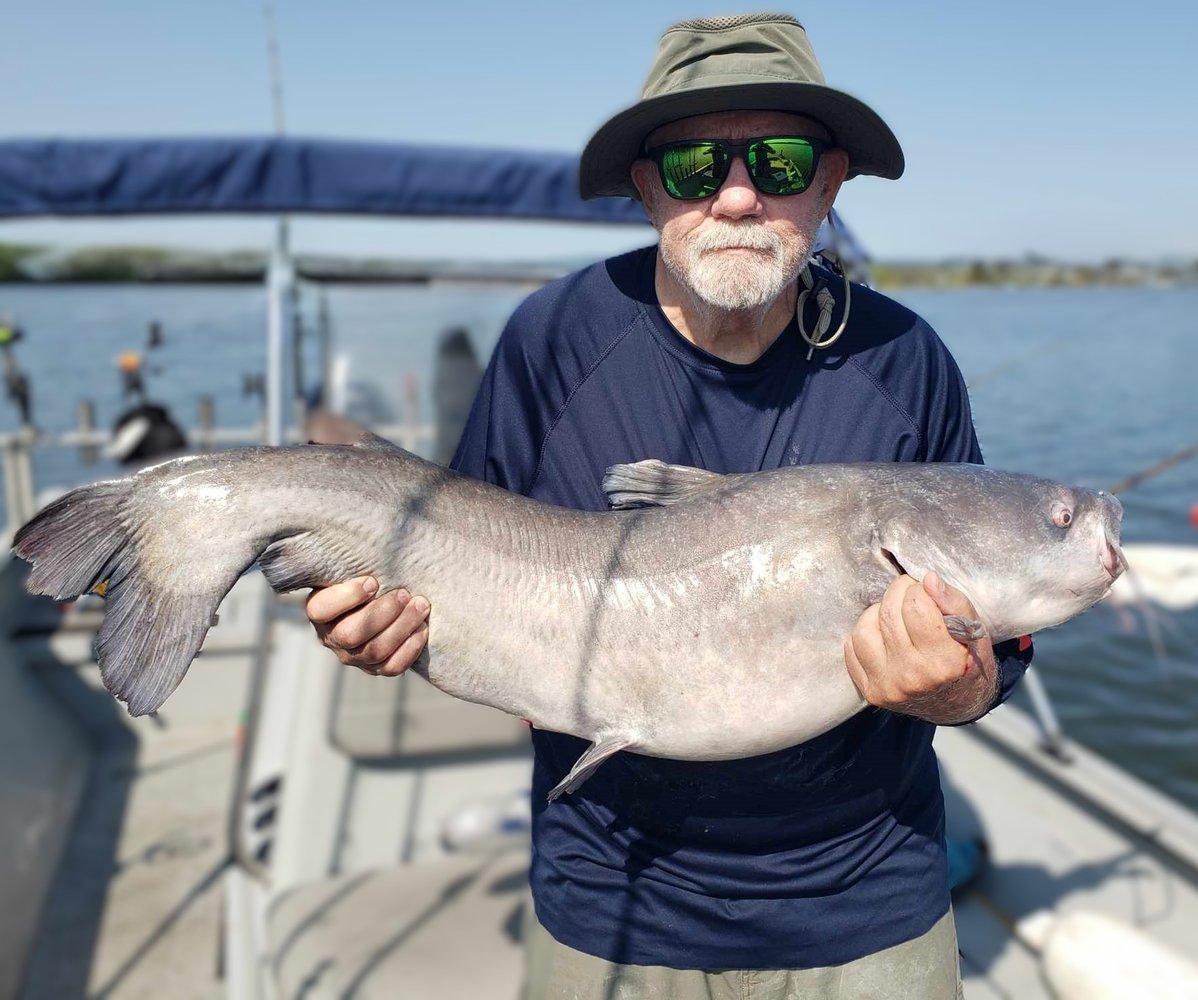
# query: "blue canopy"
{"type": "Point", "coordinates": [89, 177]}
{"type": "Point", "coordinates": [277, 175]}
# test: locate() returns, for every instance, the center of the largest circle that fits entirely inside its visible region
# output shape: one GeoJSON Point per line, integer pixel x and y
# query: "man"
{"type": "Point", "coordinates": [819, 869]}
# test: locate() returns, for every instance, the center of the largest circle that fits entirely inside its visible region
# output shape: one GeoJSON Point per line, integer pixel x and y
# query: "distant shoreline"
{"type": "Point", "coordinates": [1031, 273]}
{"type": "Point", "coordinates": [26, 264]}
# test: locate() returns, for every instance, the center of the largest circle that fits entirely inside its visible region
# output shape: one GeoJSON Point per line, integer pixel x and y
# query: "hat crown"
{"type": "Point", "coordinates": [747, 62]}
{"type": "Point", "coordinates": [743, 48]}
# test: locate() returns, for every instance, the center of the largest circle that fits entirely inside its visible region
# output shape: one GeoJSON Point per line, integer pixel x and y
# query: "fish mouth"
{"type": "Point", "coordinates": [1113, 560]}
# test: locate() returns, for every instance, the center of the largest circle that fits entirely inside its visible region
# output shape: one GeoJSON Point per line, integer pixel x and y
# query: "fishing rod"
{"type": "Point", "coordinates": [1051, 734]}
{"type": "Point", "coordinates": [1152, 626]}
{"type": "Point", "coordinates": [1164, 465]}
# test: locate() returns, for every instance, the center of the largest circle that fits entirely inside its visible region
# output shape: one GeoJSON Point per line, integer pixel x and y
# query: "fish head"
{"type": "Point", "coordinates": [1029, 553]}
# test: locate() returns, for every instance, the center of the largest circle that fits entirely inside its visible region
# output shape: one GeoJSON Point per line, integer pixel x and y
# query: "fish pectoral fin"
{"type": "Point", "coordinates": [964, 630]}
{"type": "Point", "coordinates": [653, 483]}
{"type": "Point", "coordinates": [586, 765]}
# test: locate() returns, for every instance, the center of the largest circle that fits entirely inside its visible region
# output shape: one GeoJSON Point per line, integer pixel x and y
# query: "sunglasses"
{"type": "Point", "coordinates": [697, 168]}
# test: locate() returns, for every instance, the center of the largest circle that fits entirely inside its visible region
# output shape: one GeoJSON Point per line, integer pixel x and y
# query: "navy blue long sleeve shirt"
{"type": "Point", "coordinates": [811, 856]}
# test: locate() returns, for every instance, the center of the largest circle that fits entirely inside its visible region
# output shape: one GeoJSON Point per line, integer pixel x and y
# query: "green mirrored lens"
{"type": "Point", "coordinates": [781, 166]}
{"type": "Point", "coordinates": [693, 170]}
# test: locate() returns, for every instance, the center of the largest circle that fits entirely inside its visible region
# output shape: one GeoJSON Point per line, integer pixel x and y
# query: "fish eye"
{"type": "Point", "coordinates": [1062, 516]}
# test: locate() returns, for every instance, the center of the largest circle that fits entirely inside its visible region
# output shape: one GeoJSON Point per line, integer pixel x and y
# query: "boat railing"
{"type": "Point", "coordinates": [17, 446]}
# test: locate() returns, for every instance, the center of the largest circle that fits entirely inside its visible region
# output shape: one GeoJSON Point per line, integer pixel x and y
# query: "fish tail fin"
{"type": "Point", "coordinates": [149, 638]}
{"type": "Point", "coordinates": [74, 541]}
{"type": "Point", "coordinates": [156, 616]}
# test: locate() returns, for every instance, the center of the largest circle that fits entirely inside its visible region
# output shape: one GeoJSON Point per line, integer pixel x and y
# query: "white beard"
{"type": "Point", "coordinates": [736, 280]}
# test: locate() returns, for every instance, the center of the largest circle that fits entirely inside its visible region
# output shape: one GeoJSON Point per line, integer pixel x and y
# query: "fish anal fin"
{"type": "Point", "coordinates": [586, 765]}
{"type": "Point", "coordinates": [653, 483]}
{"type": "Point", "coordinates": [301, 561]}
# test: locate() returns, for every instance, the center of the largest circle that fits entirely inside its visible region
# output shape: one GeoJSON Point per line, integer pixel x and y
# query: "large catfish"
{"type": "Point", "coordinates": [702, 620]}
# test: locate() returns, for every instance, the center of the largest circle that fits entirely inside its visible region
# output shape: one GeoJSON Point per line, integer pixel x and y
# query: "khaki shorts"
{"type": "Point", "coordinates": [925, 968]}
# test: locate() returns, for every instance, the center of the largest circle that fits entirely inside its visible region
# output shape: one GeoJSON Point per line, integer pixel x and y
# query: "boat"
{"type": "Point", "coordinates": [285, 827]}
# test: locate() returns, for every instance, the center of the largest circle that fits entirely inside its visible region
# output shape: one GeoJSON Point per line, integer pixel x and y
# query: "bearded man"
{"type": "Point", "coordinates": [819, 870]}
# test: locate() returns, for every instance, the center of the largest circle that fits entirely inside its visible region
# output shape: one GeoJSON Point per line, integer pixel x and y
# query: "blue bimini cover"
{"type": "Point", "coordinates": [276, 175]}
{"type": "Point", "coordinates": [91, 177]}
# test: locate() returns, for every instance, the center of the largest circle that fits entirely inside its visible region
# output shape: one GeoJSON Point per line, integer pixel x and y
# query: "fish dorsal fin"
{"type": "Point", "coordinates": [372, 442]}
{"type": "Point", "coordinates": [653, 483]}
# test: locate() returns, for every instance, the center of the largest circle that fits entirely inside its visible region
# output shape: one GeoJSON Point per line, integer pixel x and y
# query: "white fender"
{"type": "Point", "coordinates": [1090, 956]}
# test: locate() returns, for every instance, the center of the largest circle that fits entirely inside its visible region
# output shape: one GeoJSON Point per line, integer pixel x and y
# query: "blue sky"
{"type": "Point", "coordinates": [1064, 128]}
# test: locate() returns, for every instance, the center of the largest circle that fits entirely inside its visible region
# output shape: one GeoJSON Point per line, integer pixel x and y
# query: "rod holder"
{"type": "Point", "coordinates": [85, 411]}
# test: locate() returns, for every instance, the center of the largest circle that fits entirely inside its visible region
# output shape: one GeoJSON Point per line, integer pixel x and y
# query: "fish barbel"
{"type": "Point", "coordinates": [703, 619]}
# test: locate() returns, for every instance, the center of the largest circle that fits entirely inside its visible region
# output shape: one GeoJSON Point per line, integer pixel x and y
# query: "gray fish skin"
{"type": "Point", "coordinates": [706, 624]}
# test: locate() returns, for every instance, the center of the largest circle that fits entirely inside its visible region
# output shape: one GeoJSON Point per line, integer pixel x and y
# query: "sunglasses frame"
{"type": "Point", "coordinates": [732, 150]}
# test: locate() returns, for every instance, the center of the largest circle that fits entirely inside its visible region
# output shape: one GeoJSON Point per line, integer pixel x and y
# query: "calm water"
{"type": "Point", "coordinates": [1085, 386]}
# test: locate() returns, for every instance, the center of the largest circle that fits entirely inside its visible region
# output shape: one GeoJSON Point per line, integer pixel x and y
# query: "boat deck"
{"type": "Point", "coordinates": [1064, 837]}
{"type": "Point", "coordinates": [135, 909]}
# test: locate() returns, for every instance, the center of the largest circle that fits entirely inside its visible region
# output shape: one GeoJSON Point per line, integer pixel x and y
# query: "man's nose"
{"type": "Point", "coordinates": [737, 198]}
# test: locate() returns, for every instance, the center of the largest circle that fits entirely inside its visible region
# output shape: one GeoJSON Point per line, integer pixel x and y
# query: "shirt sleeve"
{"type": "Point", "coordinates": [952, 438]}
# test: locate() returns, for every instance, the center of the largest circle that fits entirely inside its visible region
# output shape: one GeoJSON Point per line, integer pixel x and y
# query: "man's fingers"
{"type": "Point", "coordinates": [923, 621]}
{"type": "Point", "coordinates": [407, 654]}
{"type": "Point", "coordinates": [864, 646]}
{"type": "Point", "coordinates": [900, 653]}
{"type": "Point", "coordinates": [381, 635]}
{"type": "Point", "coordinates": [353, 631]}
{"type": "Point", "coordinates": [380, 648]}
{"type": "Point", "coordinates": [328, 603]}
{"type": "Point", "coordinates": [857, 673]}
{"type": "Point", "coordinates": [415, 613]}
{"type": "Point", "coordinates": [948, 599]}
{"type": "Point", "coordinates": [892, 617]}
{"type": "Point", "coordinates": [945, 659]}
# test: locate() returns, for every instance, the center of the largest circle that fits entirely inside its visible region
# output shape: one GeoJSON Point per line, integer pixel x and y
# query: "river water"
{"type": "Point", "coordinates": [1086, 386]}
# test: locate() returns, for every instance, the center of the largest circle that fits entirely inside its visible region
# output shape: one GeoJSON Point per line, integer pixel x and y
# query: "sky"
{"type": "Point", "coordinates": [1054, 127]}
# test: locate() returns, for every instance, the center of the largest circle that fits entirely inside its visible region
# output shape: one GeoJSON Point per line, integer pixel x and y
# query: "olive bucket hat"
{"type": "Point", "coordinates": [747, 62]}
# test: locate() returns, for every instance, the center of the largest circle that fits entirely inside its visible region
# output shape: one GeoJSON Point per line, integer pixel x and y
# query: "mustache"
{"type": "Point", "coordinates": [722, 235]}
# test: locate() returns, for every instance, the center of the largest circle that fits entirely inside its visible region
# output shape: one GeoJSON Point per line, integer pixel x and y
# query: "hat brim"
{"type": "Point", "coordinates": [856, 128]}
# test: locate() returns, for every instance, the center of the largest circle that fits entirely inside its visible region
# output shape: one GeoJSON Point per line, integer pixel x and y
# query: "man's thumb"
{"type": "Point", "coordinates": [948, 599]}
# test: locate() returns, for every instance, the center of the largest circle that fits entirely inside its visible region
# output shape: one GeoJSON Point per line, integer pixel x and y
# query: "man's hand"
{"type": "Point", "coordinates": [382, 636]}
{"type": "Point", "coordinates": [901, 656]}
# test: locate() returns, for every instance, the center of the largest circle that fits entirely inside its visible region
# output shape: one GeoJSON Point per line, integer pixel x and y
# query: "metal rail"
{"type": "Point", "coordinates": [16, 452]}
